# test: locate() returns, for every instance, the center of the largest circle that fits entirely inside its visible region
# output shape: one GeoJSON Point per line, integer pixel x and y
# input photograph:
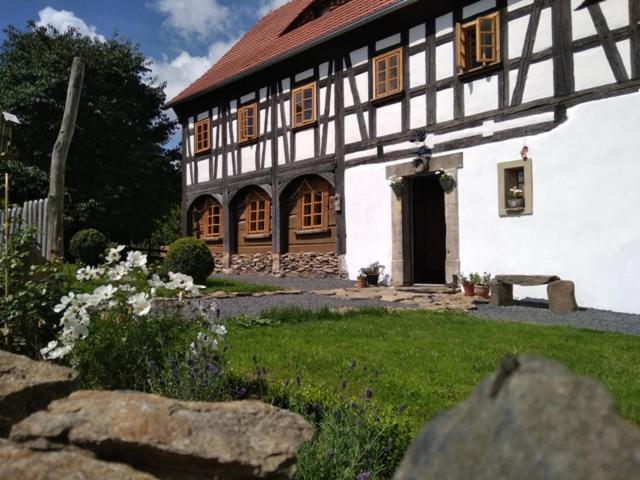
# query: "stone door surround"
{"type": "Point", "coordinates": [402, 256]}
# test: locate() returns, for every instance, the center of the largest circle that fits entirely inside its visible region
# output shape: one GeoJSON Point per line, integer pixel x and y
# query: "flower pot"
{"type": "Point", "coordinates": [482, 291]}
{"type": "Point", "coordinates": [372, 279]}
{"type": "Point", "coordinates": [469, 290]}
{"type": "Point", "coordinates": [515, 202]}
{"type": "Point", "coordinates": [361, 282]}
{"type": "Point", "coordinates": [446, 183]}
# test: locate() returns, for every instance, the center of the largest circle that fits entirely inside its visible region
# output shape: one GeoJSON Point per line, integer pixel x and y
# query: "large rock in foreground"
{"type": "Point", "coordinates": [530, 420]}
{"type": "Point", "coordinates": [27, 386]}
{"type": "Point", "coordinates": [18, 462]}
{"type": "Point", "coordinates": [173, 439]}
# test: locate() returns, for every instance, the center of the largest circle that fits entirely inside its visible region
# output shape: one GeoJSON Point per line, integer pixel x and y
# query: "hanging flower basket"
{"type": "Point", "coordinates": [446, 181]}
{"type": "Point", "coordinates": [396, 184]}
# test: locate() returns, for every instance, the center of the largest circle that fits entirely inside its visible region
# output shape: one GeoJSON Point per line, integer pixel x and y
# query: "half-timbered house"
{"type": "Point", "coordinates": [290, 139]}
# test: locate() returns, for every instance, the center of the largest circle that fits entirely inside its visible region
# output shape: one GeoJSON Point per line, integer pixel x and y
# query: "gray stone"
{"type": "Point", "coordinates": [526, 280]}
{"type": "Point", "coordinates": [173, 439]}
{"type": "Point", "coordinates": [27, 386]}
{"type": "Point", "coordinates": [19, 462]}
{"type": "Point", "coordinates": [501, 294]}
{"type": "Point", "coordinates": [562, 296]}
{"type": "Point", "coordinates": [538, 422]}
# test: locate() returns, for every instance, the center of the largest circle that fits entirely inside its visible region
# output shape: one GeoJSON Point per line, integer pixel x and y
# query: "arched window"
{"type": "Point", "coordinates": [258, 214]}
{"type": "Point", "coordinates": [209, 219]}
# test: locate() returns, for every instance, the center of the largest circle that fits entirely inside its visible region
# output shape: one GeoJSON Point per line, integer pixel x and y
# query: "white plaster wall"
{"type": "Point", "coordinates": [539, 82]}
{"type": "Point", "coordinates": [444, 102]}
{"type": "Point", "coordinates": [352, 129]}
{"type": "Point", "coordinates": [362, 84]}
{"type": "Point", "coordinates": [444, 61]}
{"type": "Point", "coordinates": [481, 95]}
{"type": "Point", "coordinates": [248, 97]}
{"type": "Point", "coordinates": [359, 56]}
{"type": "Point", "coordinates": [323, 101]}
{"type": "Point", "coordinates": [267, 154]}
{"type": "Point", "coordinates": [389, 119]}
{"type": "Point", "coordinates": [188, 173]}
{"type": "Point", "coordinates": [418, 111]}
{"type": "Point", "coordinates": [304, 75]}
{"type": "Point", "coordinates": [367, 203]}
{"type": "Point", "coordinates": [417, 69]}
{"type": "Point", "coordinates": [585, 202]}
{"type": "Point", "coordinates": [388, 42]}
{"type": "Point", "coordinates": [516, 4]}
{"type": "Point", "coordinates": [592, 69]}
{"type": "Point", "coordinates": [544, 36]}
{"type": "Point", "coordinates": [478, 7]}
{"type": "Point", "coordinates": [218, 168]}
{"type": "Point", "coordinates": [444, 24]}
{"type": "Point", "coordinates": [248, 158]}
{"type": "Point", "coordinates": [281, 157]}
{"type": "Point", "coordinates": [517, 35]}
{"type": "Point", "coordinates": [203, 170]}
{"type": "Point", "coordinates": [331, 138]}
{"type": "Point", "coordinates": [417, 35]}
{"type": "Point", "coordinates": [305, 144]}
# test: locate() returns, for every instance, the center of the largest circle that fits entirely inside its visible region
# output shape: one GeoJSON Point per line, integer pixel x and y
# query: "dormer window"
{"type": "Point", "coordinates": [317, 9]}
{"type": "Point", "coordinates": [478, 43]}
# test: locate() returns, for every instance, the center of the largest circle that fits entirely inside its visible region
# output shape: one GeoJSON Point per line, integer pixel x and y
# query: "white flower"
{"type": "Point", "coordinates": [219, 330]}
{"type": "Point", "coordinates": [137, 260]}
{"type": "Point", "coordinates": [89, 273]}
{"type": "Point", "coordinates": [104, 292]}
{"type": "Point", "coordinates": [64, 302]}
{"type": "Point", "coordinates": [53, 351]}
{"type": "Point", "coordinates": [140, 304]}
{"type": "Point", "coordinates": [114, 254]}
{"type": "Point", "coordinates": [117, 272]}
{"type": "Point", "coordinates": [155, 281]}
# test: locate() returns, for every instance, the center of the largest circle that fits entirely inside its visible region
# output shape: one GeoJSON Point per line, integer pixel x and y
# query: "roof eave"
{"type": "Point", "coordinates": [295, 51]}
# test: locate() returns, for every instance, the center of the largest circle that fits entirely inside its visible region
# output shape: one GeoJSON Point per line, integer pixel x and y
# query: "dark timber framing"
{"type": "Point", "coordinates": [334, 72]}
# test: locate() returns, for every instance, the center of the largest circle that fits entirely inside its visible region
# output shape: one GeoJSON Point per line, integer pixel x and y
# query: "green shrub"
{"type": "Point", "coordinates": [27, 319]}
{"type": "Point", "coordinates": [190, 256]}
{"type": "Point", "coordinates": [121, 354]}
{"type": "Point", "coordinates": [88, 246]}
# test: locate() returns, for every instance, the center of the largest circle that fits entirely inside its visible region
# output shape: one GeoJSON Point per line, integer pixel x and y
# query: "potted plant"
{"type": "Point", "coordinates": [483, 286]}
{"type": "Point", "coordinates": [467, 285]}
{"type": "Point", "coordinates": [516, 198]}
{"type": "Point", "coordinates": [396, 184]}
{"type": "Point", "coordinates": [446, 180]}
{"type": "Point", "coordinates": [361, 281]}
{"type": "Point", "coordinates": [372, 273]}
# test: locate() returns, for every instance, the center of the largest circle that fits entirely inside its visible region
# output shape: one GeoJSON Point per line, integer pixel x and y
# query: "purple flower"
{"type": "Point", "coordinates": [364, 476]}
{"type": "Point", "coordinates": [239, 393]}
{"type": "Point", "coordinates": [330, 455]}
{"type": "Point", "coordinates": [212, 368]}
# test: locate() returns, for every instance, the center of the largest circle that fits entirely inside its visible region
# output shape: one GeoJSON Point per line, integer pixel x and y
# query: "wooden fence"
{"type": "Point", "coordinates": [32, 213]}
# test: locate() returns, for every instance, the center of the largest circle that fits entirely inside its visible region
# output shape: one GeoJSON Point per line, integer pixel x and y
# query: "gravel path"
{"type": "Point", "coordinates": [531, 312]}
{"type": "Point", "coordinates": [232, 307]}
{"type": "Point", "coordinates": [294, 283]}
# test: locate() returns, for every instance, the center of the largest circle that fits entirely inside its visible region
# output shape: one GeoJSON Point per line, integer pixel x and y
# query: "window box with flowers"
{"type": "Point", "coordinates": [396, 183]}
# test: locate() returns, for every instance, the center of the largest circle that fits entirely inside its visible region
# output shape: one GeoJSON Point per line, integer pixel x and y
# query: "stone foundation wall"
{"type": "Point", "coordinates": [307, 264]}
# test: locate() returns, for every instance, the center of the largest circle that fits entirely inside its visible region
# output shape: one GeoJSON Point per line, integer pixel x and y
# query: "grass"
{"type": "Point", "coordinates": [219, 284]}
{"type": "Point", "coordinates": [427, 361]}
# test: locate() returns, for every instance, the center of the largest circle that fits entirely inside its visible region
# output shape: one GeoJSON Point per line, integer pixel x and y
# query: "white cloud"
{"type": "Point", "coordinates": [62, 20]}
{"type": "Point", "coordinates": [181, 71]}
{"type": "Point", "coordinates": [200, 19]}
{"type": "Point", "coordinates": [267, 5]}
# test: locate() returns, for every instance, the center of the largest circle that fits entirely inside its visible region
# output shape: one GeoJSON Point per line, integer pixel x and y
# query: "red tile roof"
{"type": "Point", "coordinates": [265, 43]}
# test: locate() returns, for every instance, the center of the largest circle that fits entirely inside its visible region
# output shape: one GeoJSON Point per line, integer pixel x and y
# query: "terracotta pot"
{"type": "Point", "coordinates": [482, 291]}
{"type": "Point", "coordinates": [361, 282]}
{"type": "Point", "coordinates": [469, 290]}
{"type": "Point", "coordinates": [372, 280]}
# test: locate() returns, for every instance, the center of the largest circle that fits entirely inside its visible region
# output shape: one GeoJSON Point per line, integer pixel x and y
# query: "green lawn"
{"type": "Point", "coordinates": [219, 284]}
{"type": "Point", "coordinates": [426, 361]}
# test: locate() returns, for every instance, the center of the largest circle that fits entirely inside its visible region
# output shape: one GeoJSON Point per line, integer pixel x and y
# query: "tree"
{"type": "Point", "coordinates": [119, 177]}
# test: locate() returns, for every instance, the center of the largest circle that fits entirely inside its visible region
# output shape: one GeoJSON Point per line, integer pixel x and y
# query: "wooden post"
{"type": "Point", "coordinates": [55, 207]}
{"type": "Point", "coordinates": [6, 235]}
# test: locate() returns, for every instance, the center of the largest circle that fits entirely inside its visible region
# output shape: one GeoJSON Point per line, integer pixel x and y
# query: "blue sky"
{"type": "Point", "coordinates": [183, 38]}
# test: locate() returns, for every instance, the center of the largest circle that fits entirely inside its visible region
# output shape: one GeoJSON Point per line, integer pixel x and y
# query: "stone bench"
{"type": "Point", "coordinates": [561, 293]}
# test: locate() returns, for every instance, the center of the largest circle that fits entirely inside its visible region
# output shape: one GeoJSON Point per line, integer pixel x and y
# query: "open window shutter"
{"type": "Point", "coordinates": [461, 53]}
{"type": "Point", "coordinates": [487, 39]}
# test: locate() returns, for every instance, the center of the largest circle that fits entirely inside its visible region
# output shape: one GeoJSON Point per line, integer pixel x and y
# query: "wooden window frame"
{"type": "Point", "coordinates": [211, 220]}
{"type": "Point", "coordinates": [464, 54]}
{"type": "Point", "coordinates": [399, 78]}
{"type": "Point", "coordinates": [506, 171]}
{"type": "Point", "coordinates": [253, 224]}
{"type": "Point", "coordinates": [314, 107]}
{"type": "Point", "coordinates": [243, 136]}
{"type": "Point", "coordinates": [202, 134]}
{"type": "Point", "coordinates": [324, 211]}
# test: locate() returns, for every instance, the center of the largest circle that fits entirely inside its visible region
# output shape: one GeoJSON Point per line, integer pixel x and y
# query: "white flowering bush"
{"type": "Point", "coordinates": [124, 292]}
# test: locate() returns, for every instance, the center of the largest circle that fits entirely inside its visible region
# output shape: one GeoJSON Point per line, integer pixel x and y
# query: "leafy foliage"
{"type": "Point", "coordinates": [190, 256]}
{"type": "Point", "coordinates": [167, 229]}
{"type": "Point", "coordinates": [27, 319]}
{"type": "Point", "coordinates": [88, 246]}
{"type": "Point", "coordinates": [120, 354]}
{"type": "Point", "coordinates": [119, 177]}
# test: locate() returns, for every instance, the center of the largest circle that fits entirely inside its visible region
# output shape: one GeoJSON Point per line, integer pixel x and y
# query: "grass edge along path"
{"type": "Point", "coordinates": [420, 361]}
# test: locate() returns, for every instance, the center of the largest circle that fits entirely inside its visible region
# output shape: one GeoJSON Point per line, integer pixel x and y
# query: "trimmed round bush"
{"type": "Point", "coordinates": [88, 246]}
{"type": "Point", "coordinates": [190, 256]}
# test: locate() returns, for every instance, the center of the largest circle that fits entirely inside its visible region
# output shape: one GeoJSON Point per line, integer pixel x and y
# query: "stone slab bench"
{"type": "Point", "coordinates": [561, 293]}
